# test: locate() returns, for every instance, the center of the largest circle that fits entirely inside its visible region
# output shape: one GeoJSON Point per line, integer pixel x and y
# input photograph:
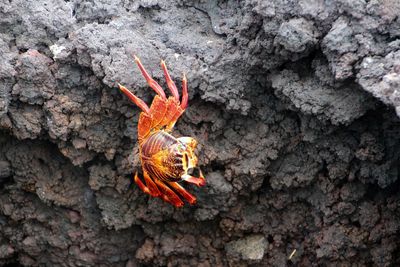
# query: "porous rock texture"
{"type": "Point", "coordinates": [293, 103]}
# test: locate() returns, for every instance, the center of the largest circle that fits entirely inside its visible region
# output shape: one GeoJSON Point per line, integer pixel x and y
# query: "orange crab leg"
{"type": "Point", "coordinates": [178, 113]}
{"type": "Point", "coordinates": [139, 102]}
{"type": "Point", "coordinates": [151, 185]}
{"type": "Point", "coordinates": [177, 110]}
{"type": "Point", "coordinates": [172, 110]}
{"type": "Point", "coordinates": [152, 83]}
{"type": "Point", "coordinates": [193, 180]}
{"type": "Point", "coordinates": [190, 198]}
{"type": "Point", "coordinates": [169, 195]}
{"type": "Point", "coordinates": [144, 125]}
{"type": "Point", "coordinates": [170, 82]}
{"type": "Point", "coordinates": [200, 181]}
{"type": "Point", "coordinates": [142, 186]}
{"type": "Point", "coordinates": [185, 97]}
{"type": "Point", "coordinates": [157, 110]}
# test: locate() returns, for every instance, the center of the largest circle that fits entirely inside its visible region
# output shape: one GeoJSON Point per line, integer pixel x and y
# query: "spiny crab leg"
{"type": "Point", "coordinates": [170, 82]}
{"type": "Point", "coordinates": [139, 102]}
{"type": "Point", "coordinates": [152, 83]}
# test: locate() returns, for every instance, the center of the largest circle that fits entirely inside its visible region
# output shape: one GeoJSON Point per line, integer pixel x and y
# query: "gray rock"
{"type": "Point", "coordinates": [297, 36]}
{"type": "Point", "coordinates": [249, 248]}
{"type": "Point", "coordinates": [340, 106]}
{"type": "Point", "coordinates": [381, 77]}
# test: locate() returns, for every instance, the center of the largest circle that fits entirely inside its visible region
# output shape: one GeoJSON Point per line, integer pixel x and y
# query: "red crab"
{"type": "Point", "coordinates": [165, 159]}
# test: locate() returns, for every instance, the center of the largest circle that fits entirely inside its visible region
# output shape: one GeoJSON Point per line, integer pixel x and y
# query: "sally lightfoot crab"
{"type": "Point", "coordinates": [165, 160]}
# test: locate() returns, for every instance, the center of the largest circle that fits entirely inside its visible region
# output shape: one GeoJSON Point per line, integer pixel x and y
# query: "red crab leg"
{"type": "Point", "coordinates": [170, 82]}
{"type": "Point", "coordinates": [194, 180]}
{"type": "Point", "coordinates": [148, 190]}
{"type": "Point", "coordinates": [179, 109]}
{"type": "Point", "coordinates": [169, 195]}
{"type": "Point", "coordinates": [152, 83]}
{"type": "Point", "coordinates": [145, 120]}
{"type": "Point", "coordinates": [151, 185]}
{"type": "Point", "coordinates": [144, 125]}
{"type": "Point", "coordinates": [191, 199]}
{"type": "Point", "coordinates": [157, 110]}
{"type": "Point", "coordinates": [185, 97]}
{"type": "Point", "coordinates": [170, 111]}
{"type": "Point", "coordinates": [139, 102]}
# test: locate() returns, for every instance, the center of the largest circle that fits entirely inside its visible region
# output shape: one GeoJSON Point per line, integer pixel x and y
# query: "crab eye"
{"type": "Point", "coordinates": [181, 147]}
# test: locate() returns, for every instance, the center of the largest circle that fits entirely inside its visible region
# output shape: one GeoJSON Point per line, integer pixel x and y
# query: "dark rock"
{"type": "Point", "coordinates": [5, 169]}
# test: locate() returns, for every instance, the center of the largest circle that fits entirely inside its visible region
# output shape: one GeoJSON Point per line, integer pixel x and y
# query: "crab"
{"type": "Point", "coordinates": [165, 159]}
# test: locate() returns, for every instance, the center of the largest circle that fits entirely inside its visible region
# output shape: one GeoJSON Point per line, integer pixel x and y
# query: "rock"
{"type": "Point", "coordinates": [298, 36]}
{"type": "Point", "coordinates": [36, 82]}
{"type": "Point", "coordinates": [340, 106]}
{"type": "Point", "coordinates": [5, 169]}
{"type": "Point", "coordinates": [249, 248]}
{"type": "Point", "coordinates": [381, 77]}
{"type": "Point", "coordinates": [27, 121]}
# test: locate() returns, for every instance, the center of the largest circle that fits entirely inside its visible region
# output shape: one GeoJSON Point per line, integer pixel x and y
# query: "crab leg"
{"type": "Point", "coordinates": [169, 195]}
{"type": "Point", "coordinates": [170, 82]}
{"type": "Point", "coordinates": [158, 109]}
{"type": "Point", "coordinates": [139, 102]}
{"type": "Point", "coordinates": [152, 83]}
{"type": "Point", "coordinates": [171, 110]}
{"type": "Point", "coordinates": [150, 189]}
{"type": "Point", "coordinates": [191, 199]}
{"type": "Point", "coordinates": [200, 181]}
{"type": "Point", "coordinates": [179, 109]}
{"type": "Point", "coordinates": [151, 185]}
{"type": "Point", "coordinates": [144, 125]}
{"type": "Point", "coordinates": [185, 97]}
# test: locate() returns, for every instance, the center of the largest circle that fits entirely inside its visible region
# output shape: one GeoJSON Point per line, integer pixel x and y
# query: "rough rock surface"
{"type": "Point", "coordinates": [295, 105]}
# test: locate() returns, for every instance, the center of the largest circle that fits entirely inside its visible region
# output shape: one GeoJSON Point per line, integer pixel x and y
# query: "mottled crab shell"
{"type": "Point", "coordinates": [160, 160]}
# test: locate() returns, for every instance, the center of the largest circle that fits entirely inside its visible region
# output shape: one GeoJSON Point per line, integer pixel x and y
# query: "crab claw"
{"type": "Point", "coordinates": [199, 181]}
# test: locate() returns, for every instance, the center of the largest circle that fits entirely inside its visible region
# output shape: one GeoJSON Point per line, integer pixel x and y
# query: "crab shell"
{"type": "Point", "coordinates": [168, 158]}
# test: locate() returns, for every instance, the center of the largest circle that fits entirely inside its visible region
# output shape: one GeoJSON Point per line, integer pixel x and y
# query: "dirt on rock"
{"type": "Point", "coordinates": [295, 105]}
